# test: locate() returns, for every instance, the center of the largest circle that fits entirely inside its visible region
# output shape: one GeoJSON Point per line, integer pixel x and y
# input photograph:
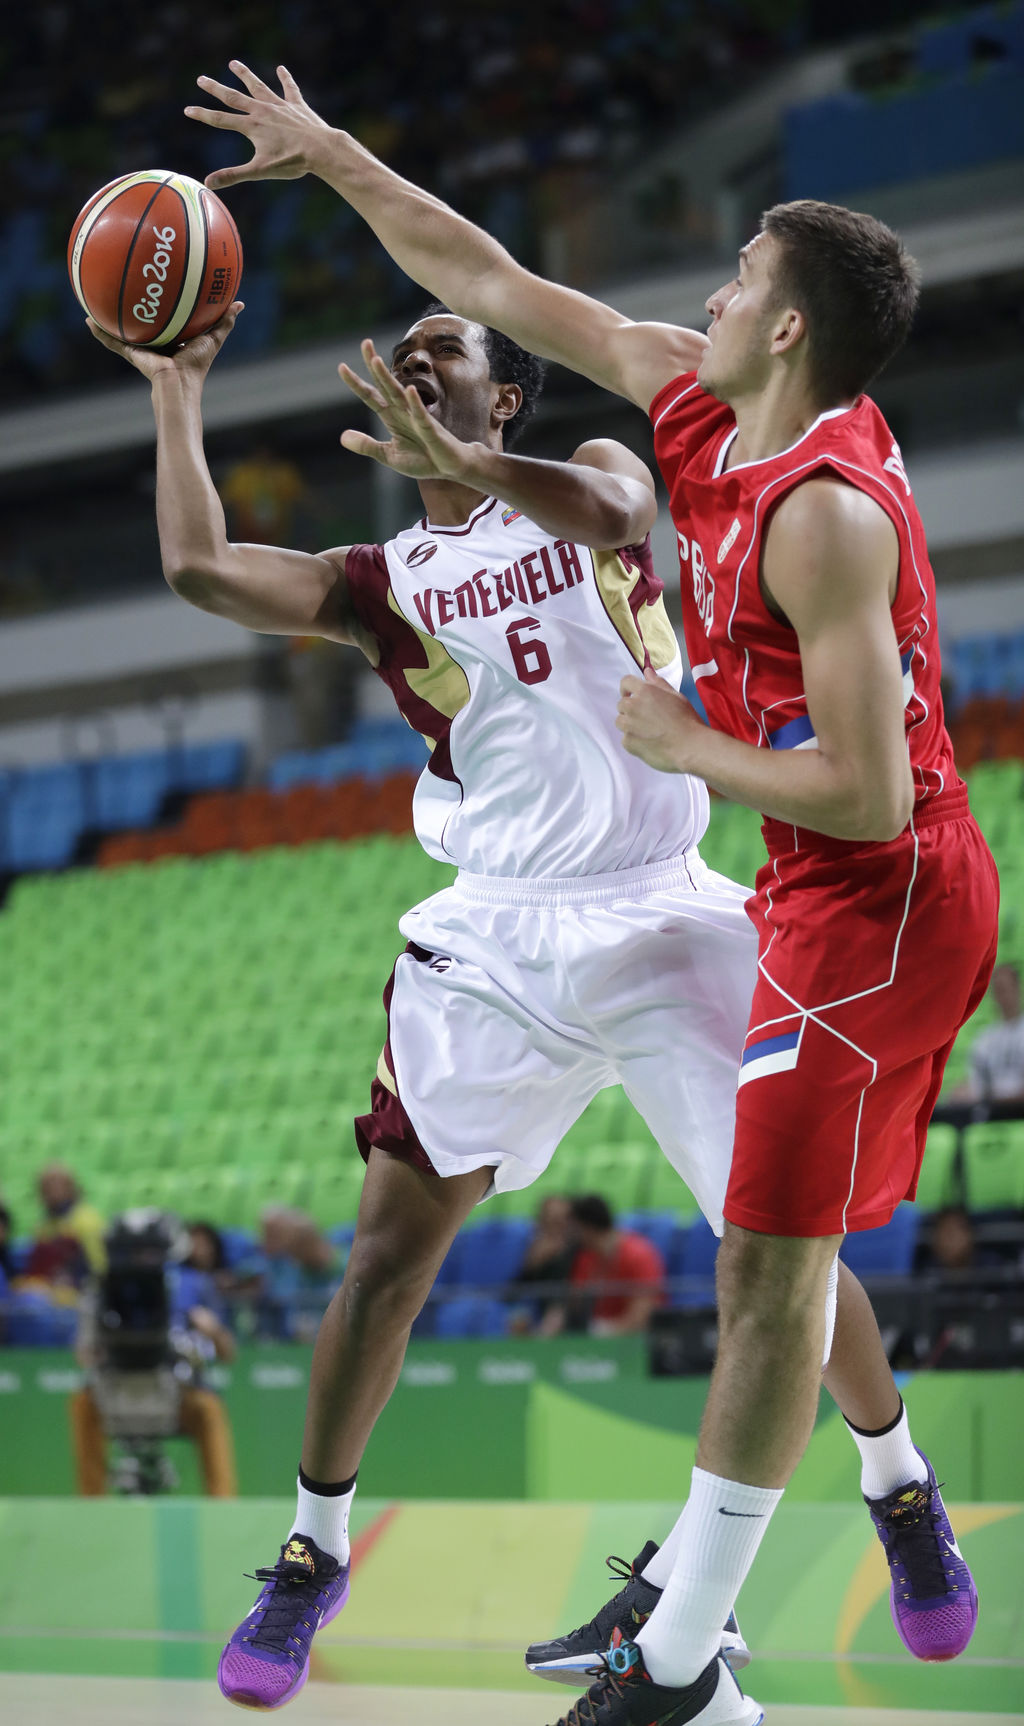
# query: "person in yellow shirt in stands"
{"type": "Point", "coordinates": [69, 1222]}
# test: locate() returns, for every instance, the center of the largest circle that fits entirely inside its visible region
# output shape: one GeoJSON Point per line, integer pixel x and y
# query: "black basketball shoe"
{"type": "Point", "coordinates": [625, 1694]}
{"type": "Point", "coordinates": [568, 1659]}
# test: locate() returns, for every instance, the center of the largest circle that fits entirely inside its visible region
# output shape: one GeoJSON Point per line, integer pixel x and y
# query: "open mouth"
{"type": "Point", "coordinates": [426, 392]}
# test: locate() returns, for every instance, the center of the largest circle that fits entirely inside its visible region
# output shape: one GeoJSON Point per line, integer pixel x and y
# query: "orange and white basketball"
{"type": "Point", "coordinates": [155, 258]}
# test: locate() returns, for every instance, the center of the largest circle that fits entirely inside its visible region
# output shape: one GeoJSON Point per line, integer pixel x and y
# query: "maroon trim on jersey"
{"type": "Point", "coordinates": [401, 650]}
{"type": "Point", "coordinates": [387, 1125]}
{"type": "Point", "coordinates": [389, 1128]}
{"type": "Point", "coordinates": [647, 589]}
{"type": "Point", "coordinates": [457, 532]}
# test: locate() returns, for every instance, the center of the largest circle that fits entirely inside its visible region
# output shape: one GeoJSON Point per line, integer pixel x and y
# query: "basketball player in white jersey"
{"type": "Point", "coordinates": [584, 943]}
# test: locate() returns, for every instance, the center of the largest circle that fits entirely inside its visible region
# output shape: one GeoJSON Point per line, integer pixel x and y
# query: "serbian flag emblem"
{"type": "Point", "coordinates": [508, 516]}
{"type": "Point", "coordinates": [770, 1055]}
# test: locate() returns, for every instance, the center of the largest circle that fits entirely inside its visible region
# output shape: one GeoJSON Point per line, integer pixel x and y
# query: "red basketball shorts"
{"type": "Point", "coordinates": [870, 959]}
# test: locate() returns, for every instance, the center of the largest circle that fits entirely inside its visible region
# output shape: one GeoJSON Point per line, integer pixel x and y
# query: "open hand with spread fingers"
{"type": "Point", "coordinates": [419, 446]}
{"type": "Point", "coordinates": [657, 723]}
{"type": "Point", "coordinates": [282, 128]}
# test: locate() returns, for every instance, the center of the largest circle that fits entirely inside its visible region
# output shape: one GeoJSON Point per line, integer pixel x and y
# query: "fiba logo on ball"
{"type": "Point", "coordinates": [155, 258]}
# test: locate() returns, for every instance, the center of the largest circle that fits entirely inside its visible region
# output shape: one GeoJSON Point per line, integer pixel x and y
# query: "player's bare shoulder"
{"type": "Point", "coordinates": [824, 532]}
{"type": "Point", "coordinates": [611, 457]}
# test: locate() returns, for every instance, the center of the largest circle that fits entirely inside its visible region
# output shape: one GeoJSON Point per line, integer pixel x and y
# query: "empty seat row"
{"type": "Point", "coordinates": [45, 811]}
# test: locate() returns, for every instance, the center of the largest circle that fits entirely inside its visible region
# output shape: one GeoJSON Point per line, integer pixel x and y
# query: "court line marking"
{"type": "Point", "coordinates": [418, 1645]}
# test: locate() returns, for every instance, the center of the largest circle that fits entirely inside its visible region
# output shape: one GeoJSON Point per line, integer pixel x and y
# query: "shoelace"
{"type": "Point", "coordinates": [587, 1711]}
{"type": "Point", "coordinates": [624, 1572]}
{"type": "Point", "coordinates": [290, 1594]}
{"type": "Point", "coordinates": [917, 1543]}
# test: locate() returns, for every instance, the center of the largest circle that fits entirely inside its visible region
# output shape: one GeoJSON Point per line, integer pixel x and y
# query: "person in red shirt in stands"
{"type": "Point", "coordinates": [612, 1256]}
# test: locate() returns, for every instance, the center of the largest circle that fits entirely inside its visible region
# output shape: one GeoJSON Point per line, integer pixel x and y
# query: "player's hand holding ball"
{"type": "Point", "coordinates": [195, 356]}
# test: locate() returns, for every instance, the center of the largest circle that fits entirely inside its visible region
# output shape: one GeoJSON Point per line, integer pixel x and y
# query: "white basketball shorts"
{"type": "Point", "coordinates": [519, 1000]}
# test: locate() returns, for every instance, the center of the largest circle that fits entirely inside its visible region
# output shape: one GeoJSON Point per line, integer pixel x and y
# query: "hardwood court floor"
{"type": "Point", "coordinates": [33, 1700]}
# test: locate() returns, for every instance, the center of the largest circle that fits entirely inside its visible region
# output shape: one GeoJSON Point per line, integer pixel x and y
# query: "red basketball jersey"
{"type": "Point", "coordinates": [746, 663]}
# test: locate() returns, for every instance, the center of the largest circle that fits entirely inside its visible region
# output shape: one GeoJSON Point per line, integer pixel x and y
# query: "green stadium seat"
{"type": "Point", "coordinates": [994, 1165]}
{"type": "Point", "coordinates": [935, 1183]}
{"type": "Point", "coordinates": [663, 1189]}
{"type": "Point", "coordinates": [335, 1190]}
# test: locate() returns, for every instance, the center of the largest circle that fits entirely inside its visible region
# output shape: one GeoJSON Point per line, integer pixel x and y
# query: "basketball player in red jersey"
{"type": "Point", "coordinates": [810, 621]}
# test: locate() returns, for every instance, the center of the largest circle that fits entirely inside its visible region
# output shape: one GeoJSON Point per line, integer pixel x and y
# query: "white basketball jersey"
{"type": "Point", "coordinates": [504, 647]}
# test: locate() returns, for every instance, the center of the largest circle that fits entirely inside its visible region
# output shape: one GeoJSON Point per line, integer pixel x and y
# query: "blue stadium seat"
{"type": "Point", "coordinates": [337, 761]}
{"type": "Point", "coordinates": [298, 767]}
{"type": "Point", "coordinates": [45, 815]}
{"type": "Point", "coordinates": [887, 1251]}
{"type": "Point", "coordinates": [491, 1252]}
{"type": "Point", "coordinates": [239, 1244]}
{"type": "Point", "coordinates": [32, 1321]}
{"type": "Point", "coordinates": [214, 766]}
{"type": "Point", "coordinates": [693, 1256]}
{"type": "Point", "coordinates": [127, 790]}
{"type": "Point", "coordinates": [699, 1249]}
{"type": "Point", "coordinates": [470, 1316]}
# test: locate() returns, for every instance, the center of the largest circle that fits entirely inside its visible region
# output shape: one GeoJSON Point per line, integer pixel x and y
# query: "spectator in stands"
{"type": "Point", "coordinates": [997, 1053]}
{"type": "Point", "coordinates": [548, 1259]}
{"type": "Point", "coordinates": [5, 1268]}
{"type": "Point", "coordinates": [300, 1270]}
{"type": "Point", "coordinates": [952, 1246]}
{"type": "Point", "coordinates": [619, 1273]}
{"type": "Point", "coordinates": [262, 494]}
{"type": "Point", "coordinates": [206, 1269]}
{"type": "Point", "coordinates": [69, 1243]}
{"type": "Point", "coordinates": [206, 1249]}
{"type": "Point", "coordinates": [6, 1233]}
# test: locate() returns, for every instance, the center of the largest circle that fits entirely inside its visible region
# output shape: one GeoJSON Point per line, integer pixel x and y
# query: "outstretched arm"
{"type": "Point", "coordinates": [446, 254]}
{"type": "Point", "coordinates": [265, 588]}
{"type": "Point", "coordinates": [830, 564]}
{"type": "Point", "coordinates": [602, 497]}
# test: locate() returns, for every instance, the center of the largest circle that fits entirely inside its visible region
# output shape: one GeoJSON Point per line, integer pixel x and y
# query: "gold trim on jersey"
{"type": "Point", "coordinates": [385, 1075]}
{"type": "Point", "coordinates": [442, 684]}
{"type": "Point", "coordinates": [650, 629]}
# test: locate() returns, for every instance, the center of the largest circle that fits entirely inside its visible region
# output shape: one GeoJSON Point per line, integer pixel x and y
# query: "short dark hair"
{"type": "Point", "coordinates": [855, 284]}
{"type": "Point", "coordinates": [593, 1211]}
{"type": "Point", "coordinates": [508, 363]}
{"type": "Point", "coordinates": [216, 1240]}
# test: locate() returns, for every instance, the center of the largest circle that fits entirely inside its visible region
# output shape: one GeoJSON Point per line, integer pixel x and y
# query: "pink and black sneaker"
{"type": "Point", "coordinates": [266, 1662]}
{"type": "Point", "coordinates": [933, 1599]}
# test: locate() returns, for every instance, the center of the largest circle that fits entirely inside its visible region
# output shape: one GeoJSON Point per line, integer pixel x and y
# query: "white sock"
{"type": "Point", "coordinates": [722, 1527]}
{"type": "Point", "coordinates": [831, 1304]}
{"type": "Point", "coordinates": [888, 1459]}
{"type": "Point", "coordinates": [658, 1571]}
{"type": "Point", "coordinates": [323, 1517]}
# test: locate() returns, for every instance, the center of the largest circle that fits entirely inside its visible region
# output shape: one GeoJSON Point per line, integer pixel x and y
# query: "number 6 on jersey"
{"type": "Point", "coordinates": [530, 658]}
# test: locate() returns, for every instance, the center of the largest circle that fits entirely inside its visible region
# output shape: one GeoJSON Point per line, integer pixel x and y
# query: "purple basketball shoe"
{"type": "Point", "coordinates": [266, 1662]}
{"type": "Point", "coordinates": [933, 1599]}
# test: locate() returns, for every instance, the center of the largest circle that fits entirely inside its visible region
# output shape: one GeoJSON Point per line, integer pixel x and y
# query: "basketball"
{"type": "Point", "coordinates": [155, 258]}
